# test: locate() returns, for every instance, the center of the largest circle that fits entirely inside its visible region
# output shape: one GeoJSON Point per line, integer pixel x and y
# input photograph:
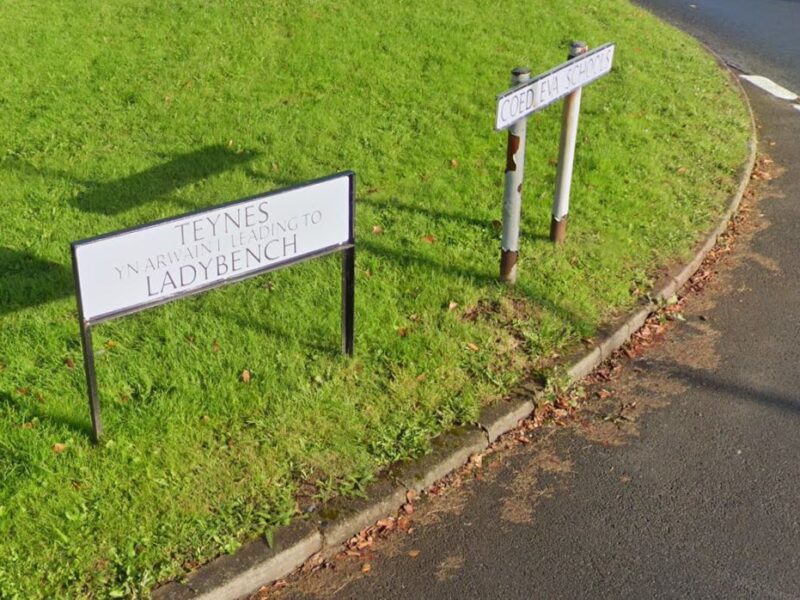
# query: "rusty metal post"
{"type": "Point", "coordinates": [566, 155]}
{"type": "Point", "coordinates": [512, 194]}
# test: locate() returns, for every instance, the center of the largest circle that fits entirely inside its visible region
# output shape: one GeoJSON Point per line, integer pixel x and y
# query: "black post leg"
{"type": "Point", "coordinates": [91, 380]}
{"type": "Point", "coordinates": [348, 299]}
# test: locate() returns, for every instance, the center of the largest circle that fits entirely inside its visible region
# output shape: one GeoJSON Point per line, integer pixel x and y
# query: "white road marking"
{"type": "Point", "coordinates": [770, 86]}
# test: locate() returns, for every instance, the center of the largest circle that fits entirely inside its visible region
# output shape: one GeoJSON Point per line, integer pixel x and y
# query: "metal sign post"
{"type": "Point", "coordinates": [128, 271]}
{"type": "Point", "coordinates": [514, 106]}
{"type": "Point", "coordinates": [566, 155]}
{"type": "Point", "coordinates": [512, 192]}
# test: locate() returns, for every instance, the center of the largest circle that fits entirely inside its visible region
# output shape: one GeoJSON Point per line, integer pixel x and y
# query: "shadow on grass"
{"type": "Point", "coordinates": [117, 196]}
{"type": "Point", "coordinates": [492, 227]}
{"type": "Point", "coordinates": [32, 409]}
{"type": "Point", "coordinates": [114, 197]}
{"type": "Point", "coordinates": [27, 281]}
{"type": "Point", "coordinates": [480, 277]}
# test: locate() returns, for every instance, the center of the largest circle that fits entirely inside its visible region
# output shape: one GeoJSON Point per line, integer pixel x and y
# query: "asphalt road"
{"type": "Point", "coordinates": [756, 36]}
{"type": "Point", "coordinates": [683, 480]}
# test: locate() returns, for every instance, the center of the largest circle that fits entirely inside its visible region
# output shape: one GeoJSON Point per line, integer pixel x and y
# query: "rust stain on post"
{"type": "Point", "coordinates": [513, 148]}
{"type": "Point", "coordinates": [508, 264]}
{"type": "Point", "coordinates": [558, 230]}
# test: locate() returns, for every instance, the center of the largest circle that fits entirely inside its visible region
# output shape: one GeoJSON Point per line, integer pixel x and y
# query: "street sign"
{"type": "Point", "coordinates": [124, 272]}
{"type": "Point", "coordinates": [127, 271]}
{"type": "Point", "coordinates": [542, 90]}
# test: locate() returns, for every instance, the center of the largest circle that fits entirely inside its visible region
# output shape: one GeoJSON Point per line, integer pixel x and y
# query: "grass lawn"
{"type": "Point", "coordinates": [117, 113]}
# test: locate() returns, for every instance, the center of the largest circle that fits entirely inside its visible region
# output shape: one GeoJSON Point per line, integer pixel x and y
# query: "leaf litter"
{"type": "Point", "coordinates": [591, 409]}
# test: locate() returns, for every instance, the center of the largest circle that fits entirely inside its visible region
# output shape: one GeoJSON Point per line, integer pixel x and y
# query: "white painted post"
{"type": "Point", "coordinates": [512, 194]}
{"type": "Point", "coordinates": [566, 155]}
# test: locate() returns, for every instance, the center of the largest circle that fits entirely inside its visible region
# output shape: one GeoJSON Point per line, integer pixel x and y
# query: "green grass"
{"type": "Point", "coordinates": [117, 113]}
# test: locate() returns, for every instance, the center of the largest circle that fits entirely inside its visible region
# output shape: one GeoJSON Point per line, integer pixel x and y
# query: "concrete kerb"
{"type": "Point", "coordinates": [256, 564]}
{"type": "Point", "coordinates": [241, 573]}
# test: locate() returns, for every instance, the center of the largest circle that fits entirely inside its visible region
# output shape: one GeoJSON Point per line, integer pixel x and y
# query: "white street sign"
{"type": "Point", "coordinates": [541, 91]}
{"type": "Point", "coordinates": [130, 270]}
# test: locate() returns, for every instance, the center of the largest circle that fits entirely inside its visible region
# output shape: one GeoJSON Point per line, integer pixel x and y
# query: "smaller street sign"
{"type": "Point", "coordinates": [541, 91]}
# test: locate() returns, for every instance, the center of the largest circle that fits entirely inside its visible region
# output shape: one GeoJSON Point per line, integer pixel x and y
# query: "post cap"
{"type": "Point", "coordinates": [577, 48]}
{"type": "Point", "coordinates": [519, 74]}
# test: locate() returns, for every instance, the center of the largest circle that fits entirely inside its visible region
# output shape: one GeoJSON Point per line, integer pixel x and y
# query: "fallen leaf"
{"type": "Point", "coordinates": [413, 553]}
{"type": "Point", "coordinates": [410, 495]}
{"type": "Point", "coordinates": [476, 460]}
{"type": "Point", "coordinates": [403, 523]}
{"type": "Point", "coordinates": [215, 346]}
{"type": "Point", "coordinates": [402, 331]}
{"type": "Point", "coordinates": [683, 171]}
{"type": "Point", "coordinates": [110, 344]}
{"type": "Point", "coordinates": [408, 508]}
{"type": "Point", "coordinates": [366, 568]}
{"type": "Point", "coordinates": [421, 377]}
{"type": "Point", "coordinates": [454, 163]}
{"type": "Point", "coordinates": [377, 230]}
{"type": "Point", "coordinates": [429, 239]}
{"type": "Point", "coordinates": [414, 318]}
{"type": "Point", "coordinates": [23, 391]}
{"type": "Point", "coordinates": [452, 306]}
{"type": "Point", "coordinates": [472, 347]}
{"type": "Point", "coordinates": [70, 363]}
{"type": "Point", "coordinates": [59, 448]}
{"type": "Point", "coordinates": [246, 376]}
